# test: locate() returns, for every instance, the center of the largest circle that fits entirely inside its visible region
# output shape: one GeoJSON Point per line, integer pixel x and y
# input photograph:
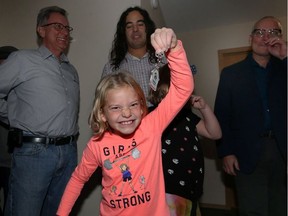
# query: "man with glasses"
{"type": "Point", "coordinates": [39, 98]}
{"type": "Point", "coordinates": [251, 106]}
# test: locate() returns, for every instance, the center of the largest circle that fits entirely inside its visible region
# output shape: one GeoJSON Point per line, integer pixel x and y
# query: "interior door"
{"type": "Point", "coordinates": [227, 57]}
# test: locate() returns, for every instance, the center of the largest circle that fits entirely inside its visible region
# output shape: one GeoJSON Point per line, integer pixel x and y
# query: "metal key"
{"type": "Point", "coordinates": [154, 78]}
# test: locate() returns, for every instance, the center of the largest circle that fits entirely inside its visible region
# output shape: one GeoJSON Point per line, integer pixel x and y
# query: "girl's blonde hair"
{"type": "Point", "coordinates": [112, 81]}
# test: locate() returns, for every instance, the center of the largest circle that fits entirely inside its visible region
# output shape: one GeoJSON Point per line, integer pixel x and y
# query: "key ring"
{"type": "Point", "coordinates": [159, 55]}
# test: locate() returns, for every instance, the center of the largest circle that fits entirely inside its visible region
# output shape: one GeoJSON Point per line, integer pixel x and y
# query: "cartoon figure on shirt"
{"type": "Point", "coordinates": [127, 177]}
{"type": "Point", "coordinates": [142, 182]}
{"type": "Point", "coordinates": [113, 190]}
{"type": "Point", "coordinates": [135, 154]}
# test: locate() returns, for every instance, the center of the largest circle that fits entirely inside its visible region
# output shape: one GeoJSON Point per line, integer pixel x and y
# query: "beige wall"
{"type": "Point", "coordinates": [155, 14]}
{"type": "Point", "coordinates": [94, 23]}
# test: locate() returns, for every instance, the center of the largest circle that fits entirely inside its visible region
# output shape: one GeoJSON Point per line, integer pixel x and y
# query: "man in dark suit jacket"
{"type": "Point", "coordinates": [251, 106]}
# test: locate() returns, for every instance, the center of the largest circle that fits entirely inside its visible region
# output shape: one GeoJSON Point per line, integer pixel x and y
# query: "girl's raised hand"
{"type": "Point", "coordinates": [163, 39]}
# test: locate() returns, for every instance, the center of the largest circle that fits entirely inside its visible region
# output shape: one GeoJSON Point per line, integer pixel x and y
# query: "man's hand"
{"type": "Point", "coordinates": [230, 164]}
{"type": "Point", "coordinates": [277, 47]}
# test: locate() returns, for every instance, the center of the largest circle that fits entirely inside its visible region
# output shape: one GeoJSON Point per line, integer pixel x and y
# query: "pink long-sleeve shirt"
{"type": "Point", "coordinates": [132, 173]}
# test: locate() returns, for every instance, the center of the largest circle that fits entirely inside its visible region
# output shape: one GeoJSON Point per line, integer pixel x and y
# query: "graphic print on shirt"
{"type": "Point", "coordinates": [130, 190]}
{"type": "Point", "coordinates": [182, 157]}
{"type": "Point", "coordinates": [142, 182]}
{"type": "Point", "coordinates": [127, 177]}
{"type": "Point", "coordinates": [119, 154]}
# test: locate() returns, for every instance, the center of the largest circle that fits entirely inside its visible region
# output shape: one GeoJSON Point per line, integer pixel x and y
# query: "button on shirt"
{"type": "Point", "coordinates": [261, 75]}
{"type": "Point", "coordinates": [43, 93]}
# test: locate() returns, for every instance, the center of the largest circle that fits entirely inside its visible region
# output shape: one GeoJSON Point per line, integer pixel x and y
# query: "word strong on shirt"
{"type": "Point", "coordinates": [134, 200]}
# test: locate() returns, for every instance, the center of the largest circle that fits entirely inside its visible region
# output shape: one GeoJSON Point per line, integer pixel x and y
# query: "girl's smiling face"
{"type": "Point", "coordinates": [122, 111]}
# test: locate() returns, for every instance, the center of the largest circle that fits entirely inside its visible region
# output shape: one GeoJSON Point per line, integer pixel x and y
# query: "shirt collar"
{"type": "Point", "coordinates": [131, 57]}
{"type": "Point", "coordinates": [46, 53]}
{"type": "Point", "coordinates": [254, 63]}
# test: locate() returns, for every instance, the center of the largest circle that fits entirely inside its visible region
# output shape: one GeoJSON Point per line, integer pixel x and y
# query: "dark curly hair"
{"type": "Point", "coordinates": [120, 46]}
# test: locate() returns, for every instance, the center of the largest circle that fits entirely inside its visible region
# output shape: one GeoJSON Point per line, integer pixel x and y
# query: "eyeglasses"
{"type": "Point", "coordinates": [59, 27]}
{"type": "Point", "coordinates": [270, 32]}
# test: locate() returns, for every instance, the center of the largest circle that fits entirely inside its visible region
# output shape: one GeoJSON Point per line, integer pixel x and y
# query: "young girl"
{"type": "Point", "coordinates": [127, 142]}
{"type": "Point", "coordinates": [182, 156]}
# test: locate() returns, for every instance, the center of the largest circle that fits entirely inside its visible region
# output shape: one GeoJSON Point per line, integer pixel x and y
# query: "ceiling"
{"type": "Point", "coordinates": [190, 15]}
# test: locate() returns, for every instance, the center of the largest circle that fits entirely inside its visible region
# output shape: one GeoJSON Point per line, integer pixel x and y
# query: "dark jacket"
{"type": "Point", "coordinates": [238, 107]}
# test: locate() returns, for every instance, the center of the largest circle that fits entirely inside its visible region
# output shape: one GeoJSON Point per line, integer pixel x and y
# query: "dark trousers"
{"type": "Point", "coordinates": [263, 192]}
{"type": "Point", "coordinates": [4, 179]}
